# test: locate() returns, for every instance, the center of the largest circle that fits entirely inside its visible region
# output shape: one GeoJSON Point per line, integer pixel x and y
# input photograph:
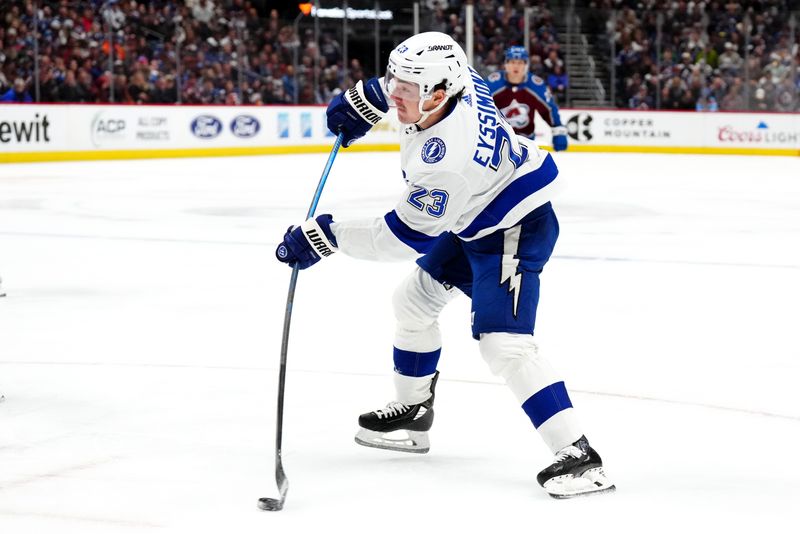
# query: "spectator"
{"type": "Point", "coordinates": [557, 81]}
{"type": "Point", "coordinates": [718, 88]}
{"type": "Point", "coordinates": [164, 91]}
{"type": "Point", "coordinates": [786, 96]}
{"type": "Point", "coordinates": [86, 86]}
{"type": "Point", "coordinates": [18, 93]}
{"type": "Point", "coordinates": [70, 91]}
{"type": "Point", "coordinates": [735, 99]}
{"type": "Point", "coordinates": [707, 56]}
{"type": "Point", "coordinates": [121, 89]}
{"type": "Point", "coordinates": [707, 102]}
{"type": "Point", "coordinates": [672, 96]}
{"type": "Point", "coordinates": [776, 69]}
{"type": "Point", "coordinates": [48, 85]}
{"type": "Point", "coordinates": [760, 101]}
{"type": "Point", "coordinates": [641, 100]}
{"type": "Point", "coordinates": [537, 67]}
{"type": "Point", "coordinates": [552, 61]}
{"type": "Point", "coordinates": [203, 11]}
{"type": "Point", "coordinates": [138, 90]}
{"type": "Point", "coordinates": [330, 49]}
{"type": "Point", "coordinates": [730, 62]}
{"type": "Point", "coordinates": [686, 66]}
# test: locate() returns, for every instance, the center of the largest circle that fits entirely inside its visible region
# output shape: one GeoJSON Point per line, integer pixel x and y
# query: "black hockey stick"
{"type": "Point", "coordinates": [266, 503]}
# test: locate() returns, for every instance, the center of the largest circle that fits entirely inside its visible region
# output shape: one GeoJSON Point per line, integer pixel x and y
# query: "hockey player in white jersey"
{"type": "Point", "coordinates": [476, 215]}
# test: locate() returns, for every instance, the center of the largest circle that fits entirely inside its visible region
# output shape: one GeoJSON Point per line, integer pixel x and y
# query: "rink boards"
{"type": "Point", "coordinates": [32, 132]}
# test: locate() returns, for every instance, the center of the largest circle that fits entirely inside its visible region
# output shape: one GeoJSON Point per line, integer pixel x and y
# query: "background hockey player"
{"type": "Point", "coordinates": [477, 215]}
{"type": "Point", "coordinates": [518, 94]}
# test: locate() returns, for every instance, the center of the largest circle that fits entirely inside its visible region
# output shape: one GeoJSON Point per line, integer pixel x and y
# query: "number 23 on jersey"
{"type": "Point", "coordinates": [433, 202]}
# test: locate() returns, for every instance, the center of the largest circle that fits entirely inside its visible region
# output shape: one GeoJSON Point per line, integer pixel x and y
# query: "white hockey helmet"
{"type": "Point", "coordinates": [426, 60]}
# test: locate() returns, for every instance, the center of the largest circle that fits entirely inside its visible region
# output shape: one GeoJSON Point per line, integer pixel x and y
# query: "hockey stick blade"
{"type": "Point", "coordinates": [270, 505]}
{"type": "Point", "coordinates": [276, 505]}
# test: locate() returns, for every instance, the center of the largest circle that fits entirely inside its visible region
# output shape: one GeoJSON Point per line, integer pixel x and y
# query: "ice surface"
{"type": "Point", "coordinates": [140, 339]}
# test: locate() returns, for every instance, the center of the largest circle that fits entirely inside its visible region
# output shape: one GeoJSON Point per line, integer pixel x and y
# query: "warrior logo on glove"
{"type": "Point", "coordinates": [318, 243]}
{"type": "Point", "coordinates": [305, 245]}
{"type": "Point", "coordinates": [355, 99]}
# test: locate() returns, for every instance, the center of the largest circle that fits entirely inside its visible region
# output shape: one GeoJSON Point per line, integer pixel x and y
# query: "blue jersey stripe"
{"type": "Point", "coordinates": [547, 402]}
{"type": "Point", "coordinates": [513, 194]}
{"type": "Point", "coordinates": [409, 363]}
{"type": "Point", "coordinates": [420, 242]}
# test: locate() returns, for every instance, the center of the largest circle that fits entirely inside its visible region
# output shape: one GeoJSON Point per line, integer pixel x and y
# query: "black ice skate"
{"type": "Point", "coordinates": [577, 470]}
{"type": "Point", "coordinates": [398, 426]}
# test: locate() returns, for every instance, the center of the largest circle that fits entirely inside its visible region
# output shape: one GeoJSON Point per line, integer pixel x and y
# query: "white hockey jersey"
{"type": "Point", "coordinates": [469, 174]}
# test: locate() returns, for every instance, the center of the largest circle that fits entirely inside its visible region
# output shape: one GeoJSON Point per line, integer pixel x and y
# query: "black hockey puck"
{"type": "Point", "coordinates": [271, 505]}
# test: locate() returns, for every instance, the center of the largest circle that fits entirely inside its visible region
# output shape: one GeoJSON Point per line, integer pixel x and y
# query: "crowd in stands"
{"type": "Point", "coordinates": [213, 52]}
{"type": "Point", "coordinates": [715, 55]}
{"type": "Point", "coordinates": [227, 52]}
{"type": "Point", "coordinates": [218, 51]}
{"type": "Point", "coordinates": [499, 25]}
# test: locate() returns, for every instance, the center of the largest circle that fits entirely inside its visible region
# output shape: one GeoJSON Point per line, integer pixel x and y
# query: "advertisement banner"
{"type": "Point", "coordinates": [31, 132]}
{"type": "Point", "coordinates": [25, 128]}
{"type": "Point", "coordinates": [659, 131]}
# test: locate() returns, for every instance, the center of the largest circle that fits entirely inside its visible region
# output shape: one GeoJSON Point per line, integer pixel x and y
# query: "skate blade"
{"type": "Point", "coordinates": [592, 482]}
{"type": "Point", "coordinates": [399, 440]}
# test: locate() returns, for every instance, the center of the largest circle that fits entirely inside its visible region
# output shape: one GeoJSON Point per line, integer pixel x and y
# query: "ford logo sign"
{"type": "Point", "coordinates": [245, 126]}
{"type": "Point", "coordinates": [206, 127]}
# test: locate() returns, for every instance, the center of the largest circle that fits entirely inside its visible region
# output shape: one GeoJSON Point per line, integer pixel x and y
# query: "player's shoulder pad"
{"type": "Point", "coordinates": [495, 81]}
{"type": "Point", "coordinates": [539, 87]}
{"type": "Point", "coordinates": [535, 80]}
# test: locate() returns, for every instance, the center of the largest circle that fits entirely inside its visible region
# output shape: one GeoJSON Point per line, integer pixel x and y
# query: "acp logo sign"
{"type": "Point", "coordinates": [206, 127]}
{"type": "Point", "coordinates": [108, 129]}
{"type": "Point", "coordinates": [245, 126]}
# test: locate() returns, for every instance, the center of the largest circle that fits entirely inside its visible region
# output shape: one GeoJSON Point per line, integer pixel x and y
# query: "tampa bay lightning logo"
{"type": "Point", "coordinates": [433, 150]}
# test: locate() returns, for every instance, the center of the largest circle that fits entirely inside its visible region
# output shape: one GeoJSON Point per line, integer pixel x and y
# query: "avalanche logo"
{"type": "Point", "coordinates": [433, 150]}
{"type": "Point", "coordinates": [518, 115]}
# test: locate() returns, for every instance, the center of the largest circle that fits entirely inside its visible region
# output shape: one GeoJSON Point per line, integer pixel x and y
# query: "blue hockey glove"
{"type": "Point", "coordinates": [304, 245]}
{"type": "Point", "coordinates": [559, 138]}
{"type": "Point", "coordinates": [355, 111]}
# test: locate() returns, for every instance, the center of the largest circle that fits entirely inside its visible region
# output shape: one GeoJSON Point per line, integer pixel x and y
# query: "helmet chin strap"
{"type": "Point", "coordinates": [426, 114]}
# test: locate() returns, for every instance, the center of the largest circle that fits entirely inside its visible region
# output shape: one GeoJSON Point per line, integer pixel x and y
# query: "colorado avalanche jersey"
{"type": "Point", "coordinates": [518, 102]}
{"type": "Point", "coordinates": [469, 174]}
